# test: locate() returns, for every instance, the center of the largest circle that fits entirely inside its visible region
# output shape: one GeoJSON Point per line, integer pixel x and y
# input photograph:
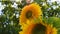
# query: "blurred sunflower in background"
{"type": "Point", "coordinates": [30, 12]}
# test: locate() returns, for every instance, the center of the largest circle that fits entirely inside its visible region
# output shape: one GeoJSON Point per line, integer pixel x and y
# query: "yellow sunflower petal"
{"type": "Point", "coordinates": [51, 29]}
{"type": "Point", "coordinates": [54, 31]}
{"type": "Point", "coordinates": [30, 12]}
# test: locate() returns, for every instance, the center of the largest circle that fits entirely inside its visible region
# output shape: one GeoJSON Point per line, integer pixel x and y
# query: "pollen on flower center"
{"type": "Point", "coordinates": [29, 14]}
{"type": "Point", "coordinates": [39, 29]}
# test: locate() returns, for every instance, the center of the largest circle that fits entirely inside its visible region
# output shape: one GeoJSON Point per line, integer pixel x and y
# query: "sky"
{"type": "Point", "coordinates": [54, 0]}
{"type": "Point", "coordinates": [2, 7]}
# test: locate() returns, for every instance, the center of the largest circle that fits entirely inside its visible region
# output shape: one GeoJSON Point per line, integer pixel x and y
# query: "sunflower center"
{"type": "Point", "coordinates": [28, 14]}
{"type": "Point", "coordinates": [39, 29]}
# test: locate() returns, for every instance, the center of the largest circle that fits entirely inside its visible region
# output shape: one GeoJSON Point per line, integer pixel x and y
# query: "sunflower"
{"type": "Point", "coordinates": [30, 12]}
{"type": "Point", "coordinates": [39, 28]}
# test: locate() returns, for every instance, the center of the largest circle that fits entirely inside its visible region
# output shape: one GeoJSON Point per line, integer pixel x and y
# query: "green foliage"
{"type": "Point", "coordinates": [9, 21]}
{"type": "Point", "coordinates": [54, 21]}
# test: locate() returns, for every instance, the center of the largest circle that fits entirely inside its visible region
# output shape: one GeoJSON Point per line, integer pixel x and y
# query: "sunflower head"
{"type": "Point", "coordinates": [38, 28]}
{"type": "Point", "coordinates": [30, 12]}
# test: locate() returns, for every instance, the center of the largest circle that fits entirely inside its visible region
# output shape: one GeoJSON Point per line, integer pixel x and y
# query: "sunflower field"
{"type": "Point", "coordinates": [29, 17]}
